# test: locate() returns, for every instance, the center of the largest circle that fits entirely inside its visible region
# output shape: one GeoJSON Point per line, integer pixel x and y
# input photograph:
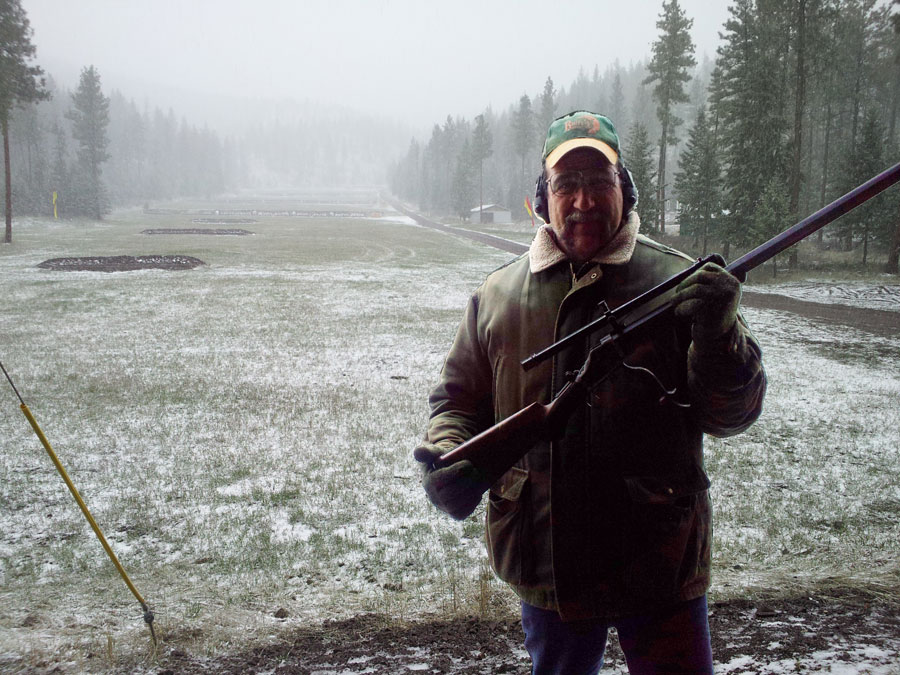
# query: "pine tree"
{"type": "Point", "coordinates": [523, 142]}
{"type": "Point", "coordinates": [406, 177]}
{"type": "Point", "coordinates": [616, 108]}
{"type": "Point", "coordinates": [874, 218]}
{"type": "Point", "coordinates": [641, 163]}
{"type": "Point", "coordinates": [799, 42]}
{"type": "Point", "coordinates": [30, 186]}
{"type": "Point", "coordinates": [822, 98]}
{"type": "Point", "coordinates": [482, 142]}
{"type": "Point", "coordinates": [548, 107]}
{"type": "Point", "coordinates": [523, 128]}
{"type": "Point", "coordinates": [128, 150]}
{"type": "Point", "coordinates": [446, 153]}
{"type": "Point", "coordinates": [672, 57]}
{"type": "Point", "coordinates": [20, 83]}
{"type": "Point", "coordinates": [748, 99]}
{"type": "Point", "coordinates": [771, 213]}
{"type": "Point", "coordinates": [430, 170]}
{"type": "Point", "coordinates": [886, 67]}
{"type": "Point", "coordinates": [463, 191]}
{"type": "Point", "coordinates": [698, 181]}
{"type": "Point", "coordinates": [90, 118]}
{"type": "Point", "coordinates": [892, 266]}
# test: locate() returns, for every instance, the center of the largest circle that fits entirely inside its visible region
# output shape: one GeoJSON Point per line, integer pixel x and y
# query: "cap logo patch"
{"type": "Point", "coordinates": [589, 124]}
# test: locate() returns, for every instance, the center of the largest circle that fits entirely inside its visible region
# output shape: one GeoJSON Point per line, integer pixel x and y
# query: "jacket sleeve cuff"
{"type": "Point", "coordinates": [729, 344]}
{"type": "Point", "coordinates": [726, 364]}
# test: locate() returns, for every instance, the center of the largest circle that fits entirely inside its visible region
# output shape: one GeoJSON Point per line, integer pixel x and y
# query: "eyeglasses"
{"type": "Point", "coordinates": [591, 180]}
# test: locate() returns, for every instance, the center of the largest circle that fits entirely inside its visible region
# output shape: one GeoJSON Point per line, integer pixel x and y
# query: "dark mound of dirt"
{"type": "Point", "coordinates": [373, 643]}
{"type": "Point", "coordinates": [875, 321]}
{"type": "Point", "coordinates": [123, 263]}
{"type": "Point", "coordinates": [197, 230]}
{"type": "Point", "coordinates": [845, 627]}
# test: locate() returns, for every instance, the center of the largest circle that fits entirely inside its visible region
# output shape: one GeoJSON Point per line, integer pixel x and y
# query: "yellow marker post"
{"type": "Point", "coordinates": [55, 217]}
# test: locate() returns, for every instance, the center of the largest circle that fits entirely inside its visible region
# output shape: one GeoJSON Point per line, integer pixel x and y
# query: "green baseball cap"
{"type": "Point", "coordinates": [580, 129]}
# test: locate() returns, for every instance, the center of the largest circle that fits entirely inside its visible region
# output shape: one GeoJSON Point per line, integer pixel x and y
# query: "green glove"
{"type": "Point", "coordinates": [710, 297]}
{"type": "Point", "coordinates": [454, 489]}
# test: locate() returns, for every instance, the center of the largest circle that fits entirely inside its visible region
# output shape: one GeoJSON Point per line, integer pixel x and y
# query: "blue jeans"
{"type": "Point", "coordinates": [674, 640]}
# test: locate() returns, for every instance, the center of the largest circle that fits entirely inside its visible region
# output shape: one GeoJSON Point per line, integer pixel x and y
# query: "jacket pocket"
{"type": "Point", "coordinates": [669, 534]}
{"type": "Point", "coordinates": [504, 528]}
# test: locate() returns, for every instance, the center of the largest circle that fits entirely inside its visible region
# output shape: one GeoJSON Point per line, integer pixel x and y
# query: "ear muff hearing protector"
{"type": "Point", "coordinates": [629, 190]}
{"type": "Point", "coordinates": [540, 197]}
{"type": "Point", "coordinates": [626, 181]}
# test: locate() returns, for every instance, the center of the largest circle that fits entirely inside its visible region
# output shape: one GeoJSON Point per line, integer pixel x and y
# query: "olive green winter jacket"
{"type": "Point", "coordinates": [614, 518]}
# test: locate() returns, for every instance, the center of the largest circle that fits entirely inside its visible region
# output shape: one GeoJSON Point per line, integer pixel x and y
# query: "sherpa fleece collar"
{"type": "Point", "coordinates": [544, 252]}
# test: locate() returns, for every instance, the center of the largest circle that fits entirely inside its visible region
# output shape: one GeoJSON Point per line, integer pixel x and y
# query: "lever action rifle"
{"type": "Point", "coordinates": [496, 449]}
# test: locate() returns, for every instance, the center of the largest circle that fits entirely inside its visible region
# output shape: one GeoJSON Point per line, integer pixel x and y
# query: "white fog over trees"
{"type": "Point", "coordinates": [154, 154]}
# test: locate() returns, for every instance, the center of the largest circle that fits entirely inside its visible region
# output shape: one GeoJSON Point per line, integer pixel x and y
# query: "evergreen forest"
{"type": "Point", "coordinates": [147, 154]}
{"type": "Point", "coordinates": [799, 105]}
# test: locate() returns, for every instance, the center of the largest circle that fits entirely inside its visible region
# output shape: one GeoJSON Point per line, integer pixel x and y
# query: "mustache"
{"type": "Point", "coordinates": [584, 216]}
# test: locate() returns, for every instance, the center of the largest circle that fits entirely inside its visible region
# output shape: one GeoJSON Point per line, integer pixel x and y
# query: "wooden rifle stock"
{"type": "Point", "coordinates": [496, 449]}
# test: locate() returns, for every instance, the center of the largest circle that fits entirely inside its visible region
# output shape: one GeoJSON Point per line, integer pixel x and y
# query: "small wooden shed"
{"type": "Point", "coordinates": [492, 213]}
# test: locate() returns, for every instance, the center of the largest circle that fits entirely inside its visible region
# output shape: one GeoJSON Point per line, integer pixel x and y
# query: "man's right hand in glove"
{"type": "Point", "coordinates": [454, 489]}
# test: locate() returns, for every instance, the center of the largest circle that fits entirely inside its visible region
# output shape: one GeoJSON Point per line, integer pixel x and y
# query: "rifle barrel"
{"type": "Point", "coordinates": [499, 447]}
{"type": "Point", "coordinates": [613, 315]}
{"type": "Point", "coordinates": [816, 221]}
{"type": "Point", "coordinates": [738, 268]}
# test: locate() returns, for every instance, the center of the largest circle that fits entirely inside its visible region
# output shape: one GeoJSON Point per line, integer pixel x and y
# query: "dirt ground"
{"type": "Point", "coordinates": [200, 230]}
{"type": "Point", "coordinates": [122, 263]}
{"type": "Point", "coordinates": [745, 635]}
{"type": "Point", "coordinates": [876, 321]}
{"type": "Point", "coordinates": [804, 635]}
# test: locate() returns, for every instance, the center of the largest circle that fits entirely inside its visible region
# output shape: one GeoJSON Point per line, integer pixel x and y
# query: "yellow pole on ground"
{"type": "Point", "coordinates": [55, 217]}
{"type": "Point", "coordinates": [148, 615]}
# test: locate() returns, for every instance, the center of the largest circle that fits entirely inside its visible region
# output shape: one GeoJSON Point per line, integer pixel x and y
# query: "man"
{"type": "Point", "coordinates": [610, 525]}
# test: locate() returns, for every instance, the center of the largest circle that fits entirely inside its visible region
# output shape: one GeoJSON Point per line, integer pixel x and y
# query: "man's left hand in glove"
{"type": "Point", "coordinates": [454, 489]}
{"type": "Point", "coordinates": [710, 297]}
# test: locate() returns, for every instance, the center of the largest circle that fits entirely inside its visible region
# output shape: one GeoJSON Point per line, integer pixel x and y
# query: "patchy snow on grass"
{"type": "Point", "coordinates": [811, 490]}
{"type": "Point", "coordinates": [848, 661]}
{"type": "Point", "coordinates": [243, 433]}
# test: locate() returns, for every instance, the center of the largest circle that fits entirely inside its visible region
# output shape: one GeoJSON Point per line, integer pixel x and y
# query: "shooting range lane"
{"type": "Point", "coordinates": [876, 321]}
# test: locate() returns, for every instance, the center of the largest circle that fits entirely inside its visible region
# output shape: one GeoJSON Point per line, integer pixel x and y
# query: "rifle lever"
{"type": "Point", "coordinates": [668, 394]}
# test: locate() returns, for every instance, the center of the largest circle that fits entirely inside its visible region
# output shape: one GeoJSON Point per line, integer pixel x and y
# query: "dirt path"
{"type": "Point", "coordinates": [801, 635]}
{"type": "Point", "coordinates": [876, 321]}
{"type": "Point", "coordinates": [497, 242]}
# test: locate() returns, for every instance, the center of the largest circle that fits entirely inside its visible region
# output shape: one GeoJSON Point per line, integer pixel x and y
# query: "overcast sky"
{"type": "Point", "coordinates": [413, 60]}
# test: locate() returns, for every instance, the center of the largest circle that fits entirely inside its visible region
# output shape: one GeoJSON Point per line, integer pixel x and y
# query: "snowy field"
{"type": "Point", "coordinates": [242, 433]}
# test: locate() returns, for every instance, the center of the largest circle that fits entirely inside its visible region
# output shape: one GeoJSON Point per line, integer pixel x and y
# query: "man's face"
{"type": "Point", "coordinates": [586, 218]}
